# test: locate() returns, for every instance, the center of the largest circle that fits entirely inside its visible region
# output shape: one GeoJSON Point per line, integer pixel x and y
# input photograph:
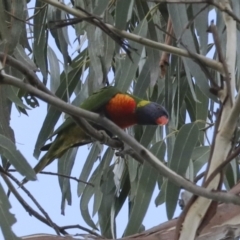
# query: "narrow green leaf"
{"type": "Point", "coordinates": [119, 201]}
{"type": "Point", "coordinates": [143, 81]}
{"type": "Point", "coordinates": [201, 24]}
{"type": "Point", "coordinates": [40, 37]}
{"type": "Point", "coordinates": [161, 197]}
{"type": "Point", "coordinates": [65, 165]}
{"type": "Point", "coordinates": [109, 46]}
{"type": "Point", "coordinates": [143, 196]}
{"type": "Point", "coordinates": [133, 167]}
{"type": "Point", "coordinates": [9, 151]}
{"type": "Point", "coordinates": [152, 54]}
{"type": "Point", "coordinates": [180, 19]}
{"type": "Point", "coordinates": [59, 34]}
{"type": "Point", "coordinates": [98, 196]}
{"type": "Point", "coordinates": [104, 214]}
{"type": "Point", "coordinates": [148, 135]}
{"type": "Point", "coordinates": [14, 30]}
{"type": "Point", "coordinates": [12, 96]}
{"type": "Point", "coordinates": [107, 182]}
{"type": "Point", "coordinates": [7, 219]}
{"type": "Point", "coordinates": [123, 13]}
{"type": "Point", "coordinates": [103, 166]}
{"type": "Point", "coordinates": [183, 148]}
{"type": "Point", "coordinates": [191, 106]}
{"type": "Point", "coordinates": [126, 73]}
{"type": "Point", "coordinates": [87, 168]}
{"type": "Point", "coordinates": [95, 50]}
{"type": "Point", "coordinates": [4, 31]}
{"type": "Point", "coordinates": [21, 55]}
{"type": "Point", "coordinates": [101, 6]}
{"type": "Point", "coordinates": [89, 190]}
{"type": "Point", "coordinates": [201, 112]}
{"type": "Point", "coordinates": [54, 69]}
{"type": "Point", "coordinates": [230, 175]}
{"type": "Point", "coordinates": [84, 202]}
{"type": "Point", "coordinates": [54, 114]}
{"type": "Point", "coordinates": [108, 189]}
{"type": "Point", "coordinates": [200, 156]}
{"type": "Point", "coordinates": [144, 191]}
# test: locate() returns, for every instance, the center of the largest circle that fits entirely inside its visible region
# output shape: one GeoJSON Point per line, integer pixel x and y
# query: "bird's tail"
{"type": "Point", "coordinates": [73, 138]}
{"type": "Point", "coordinates": [42, 163]}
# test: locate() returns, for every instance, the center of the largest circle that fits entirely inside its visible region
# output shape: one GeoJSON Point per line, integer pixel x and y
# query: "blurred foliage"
{"type": "Point", "coordinates": [184, 144]}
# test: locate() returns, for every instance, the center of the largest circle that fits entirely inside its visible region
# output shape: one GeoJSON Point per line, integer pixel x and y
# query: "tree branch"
{"type": "Point", "coordinates": [58, 174]}
{"type": "Point", "coordinates": [200, 210]}
{"type": "Point", "coordinates": [133, 37]}
{"type": "Point", "coordinates": [215, 3]}
{"type": "Point", "coordinates": [47, 220]}
{"type": "Point", "coordinates": [109, 125]}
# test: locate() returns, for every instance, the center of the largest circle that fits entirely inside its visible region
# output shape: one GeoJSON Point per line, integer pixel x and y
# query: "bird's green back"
{"type": "Point", "coordinates": [93, 103]}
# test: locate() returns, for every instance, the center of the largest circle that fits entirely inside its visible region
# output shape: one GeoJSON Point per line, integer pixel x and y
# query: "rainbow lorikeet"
{"type": "Point", "coordinates": [123, 109]}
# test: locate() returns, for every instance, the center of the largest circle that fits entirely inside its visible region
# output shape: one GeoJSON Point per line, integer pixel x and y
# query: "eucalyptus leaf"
{"type": "Point", "coordinates": [65, 165]}
{"type": "Point", "coordinates": [145, 187]}
{"type": "Point", "coordinates": [183, 148]}
{"type": "Point", "coordinates": [180, 19]}
{"type": "Point", "coordinates": [11, 93]}
{"type": "Point", "coordinates": [87, 168]}
{"type": "Point", "coordinates": [200, 156]}
{"type": "Point", "coordinates": [9, 151]}
{"type": "Point", "coordinates": [54, 69]}
{"type": "Point", "coordinates": [7, 219]}
{"type": "Point", "coordinates": [126, 74]}
{"type": "Point", "coordinates": [40, 38]}
{"type": "Point", "coordinates": [65, 89]}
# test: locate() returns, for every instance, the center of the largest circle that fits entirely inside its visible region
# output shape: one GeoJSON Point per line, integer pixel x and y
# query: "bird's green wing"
{"type": "Point", "coordinates": [99, 99]}
{"type": "Point", "coordinates": [93, 103]}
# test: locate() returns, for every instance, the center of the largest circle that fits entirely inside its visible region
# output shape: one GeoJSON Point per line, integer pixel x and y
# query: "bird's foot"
{"type": "Point", "coordinates": [129, 151]}
{"type": "Point", "coordinates": [113, 142]}
{"type": "Point", "coordinates": [105, 138]}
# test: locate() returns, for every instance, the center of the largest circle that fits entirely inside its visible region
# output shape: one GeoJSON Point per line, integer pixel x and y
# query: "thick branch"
{"type": "Point", "coordinates": [225, 222]}
{"type": "Point", "coordinates": [200, 210]}
{"type": "Point", "coordinates": [133, 37]}
{"type": "Point", "coordinates": [142, 152]}
{"type": "Point", "coordinates": [215, 3]}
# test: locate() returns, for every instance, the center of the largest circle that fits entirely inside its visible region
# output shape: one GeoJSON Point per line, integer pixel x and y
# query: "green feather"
{"type": "Point", "coordinates": [94, 103]}
{"type": "Point", "coordinates": [99, 99]}
{"type": "Point", "coordinates": [69, 134]}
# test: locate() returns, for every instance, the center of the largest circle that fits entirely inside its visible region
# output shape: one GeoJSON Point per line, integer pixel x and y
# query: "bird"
{"type": "Point", "coordinates": [123, 109]}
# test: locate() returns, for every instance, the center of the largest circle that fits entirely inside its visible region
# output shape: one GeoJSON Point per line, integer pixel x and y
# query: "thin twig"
{"type": "Point", "coordinates": [164, 60]}
{"type": "Point", "coordinates": [33, 79]}
{"type": "Point", "coordinates": [47, 219]}
{"type": "Point", "coordinates": [65, 176]}
{"type": "Point", "coordinates": [196, 58]}
{"type": "Point", "coordinates": [30, 75]}
{"type": "Point", "coordinates": [212, 29]}
{"type": "Point", "coordinates": [223, 164]}
{"type": "Point", "coordinates": [141, 40]}
{"type": "Point", "coordinates": [215, 3]}
{"type": "Point", "coordinates": [58, 174]}
{"type": "Point", "coordinates": [82, 228]}
{"type": "Point", "coordinates": [190, 22]}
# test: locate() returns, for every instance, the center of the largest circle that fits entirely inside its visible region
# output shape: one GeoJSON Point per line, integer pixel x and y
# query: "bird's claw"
{"type": "Point", "coordinates": [105, 137]}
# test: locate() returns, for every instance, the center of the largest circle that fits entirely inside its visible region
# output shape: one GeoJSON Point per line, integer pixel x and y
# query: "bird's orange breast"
{"type": "Point", "coordinates": [121, 110]}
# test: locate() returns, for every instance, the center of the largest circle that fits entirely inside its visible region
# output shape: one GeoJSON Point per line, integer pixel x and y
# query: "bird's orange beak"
{"type": "Point", "coordinates": [162, 121]}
